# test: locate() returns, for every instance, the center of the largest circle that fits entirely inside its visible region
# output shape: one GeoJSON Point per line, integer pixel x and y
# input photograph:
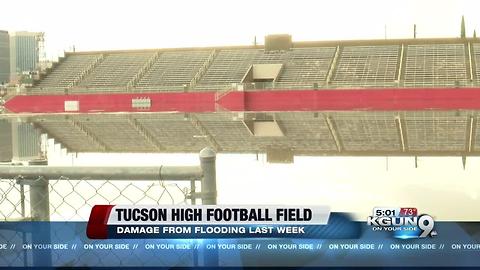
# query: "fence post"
{"type": "Point", "coordinates": [40, 211]}
{"type": "Point", "coordinates": [39, 200]}
{"type": "Point", "coordinates": [209, 181]}
{"type": "Point", "coordinates": [209, 196]}
{"type": "Point", "coordinates": [39, 196]}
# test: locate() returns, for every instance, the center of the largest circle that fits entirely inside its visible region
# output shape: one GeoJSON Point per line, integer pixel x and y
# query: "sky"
{"type": "Point", "coordinates": [439, 186]}
{"type": "Point", "coordinates": [106, 25]}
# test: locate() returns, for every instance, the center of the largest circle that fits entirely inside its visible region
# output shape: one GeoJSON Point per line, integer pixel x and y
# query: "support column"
{"type": "Point", "coordinates": [209, 196]}
{"type": "Point", "coordinates": [40, 211]}
{"type": "Point", "coordinates": [39, 200]}
{"type": "Point", "coordinates": [209, 181]}
{"type": "Point", "coordinates": [39, 195]}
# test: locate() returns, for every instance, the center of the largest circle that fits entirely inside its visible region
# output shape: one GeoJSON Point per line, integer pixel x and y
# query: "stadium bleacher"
{"type": "Point", "coordinates": [173, 70]}
{"type": "Point", "coordinates": [366, 132]}
{"type": "Point", "coordinates": [436, 130]}
{"type": "Point", "coordinates": [116, 69]}
{"type": "Point", "coordinates": [436, 65]}
{"type": "Point", "coordinates": [65, 74]}
{"type": "Point", "coordinates": [396, 63]}
{"type": "Point", "coordinates": [367, 66]}
{"type": "Point", "coordinates": [338, 65]}
{"type": "Point", "coordinates": [306, 65]}
{"type": "Point", "coordinates": [228, 67]}
{"type": "Point", "coordinates": [476, 59]}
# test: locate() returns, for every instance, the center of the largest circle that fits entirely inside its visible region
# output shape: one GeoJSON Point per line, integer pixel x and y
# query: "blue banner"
{"type": "Point", "coordinates": [63, 244]}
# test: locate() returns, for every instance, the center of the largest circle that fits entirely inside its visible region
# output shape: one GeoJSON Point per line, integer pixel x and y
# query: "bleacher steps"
{"type": "Point", "coordinates": [198, 76]}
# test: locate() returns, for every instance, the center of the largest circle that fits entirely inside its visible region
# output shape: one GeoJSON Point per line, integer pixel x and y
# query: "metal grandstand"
{"type": "Point", "coordinates": [300, 128]}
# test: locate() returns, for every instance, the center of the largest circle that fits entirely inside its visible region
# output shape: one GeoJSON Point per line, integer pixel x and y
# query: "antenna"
{"type": "Point", "coordinates": [415, 31]}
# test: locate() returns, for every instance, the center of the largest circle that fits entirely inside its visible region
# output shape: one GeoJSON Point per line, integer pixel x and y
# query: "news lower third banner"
{"type": "Point", "coordinates": [239, 236]}
{"type": "Point", "coordinates": [210, 222]}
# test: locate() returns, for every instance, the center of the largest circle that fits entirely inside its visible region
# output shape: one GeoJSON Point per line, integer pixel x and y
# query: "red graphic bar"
{"type": "Point", "coordinates": [97, 223]}
{"type": "Point", "coordinates": [92, 103]}
{"type": "Point", "coordinates": [364, 100]}
{"type": "Point", "coordinates": [373, 99]}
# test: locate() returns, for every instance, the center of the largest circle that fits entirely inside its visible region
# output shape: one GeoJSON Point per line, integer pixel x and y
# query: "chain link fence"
{"type": "Point", "coordinates": [12, 200]}
{"type": "Point", "coordinates": [72, 200]}
{"type": "Point", "coordinates": [38, 193]}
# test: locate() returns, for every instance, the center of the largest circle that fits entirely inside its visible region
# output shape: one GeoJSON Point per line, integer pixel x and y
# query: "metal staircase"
{"type": "Point", "coordinates": [87, 71]}
{"type": "Point", "coordinates": [198, 76]}
{"type": "Point", "coordinates": [133, 82]}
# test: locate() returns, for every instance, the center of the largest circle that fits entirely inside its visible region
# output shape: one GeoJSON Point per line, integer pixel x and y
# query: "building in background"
{"type": "Point", "coordinates": [4, 57]}
{"type": "Point", "coordinates": [26, 51]}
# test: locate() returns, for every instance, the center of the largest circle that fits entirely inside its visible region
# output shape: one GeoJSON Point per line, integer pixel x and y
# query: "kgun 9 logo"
{"type": "Point", "coordinates": [407, 225]}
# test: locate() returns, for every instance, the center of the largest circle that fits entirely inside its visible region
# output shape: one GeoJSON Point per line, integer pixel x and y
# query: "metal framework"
{"type": "Point", "coordinates": [38, 176]}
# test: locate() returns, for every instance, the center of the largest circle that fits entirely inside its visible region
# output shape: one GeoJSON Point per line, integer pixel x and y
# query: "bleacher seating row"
{"type": "Point", "coordinates": [426, 131]}
{"type": "Point", "coordinates": [411, 65]}
{"type": "Point", "coordinates": [116, 69]}
{"type": "Point", "coordinates": [367, 66]}
{"type": "Point", "coordinates": [307, 65]}
{"type": "Point", "coordinates": [173, 69]}
{"type": "Point", "coordinates": [68, 70]}
{"type": "Point", "coordinates": [228, 67]}
{"type": "Point", "coordinates": [476, 57]}
{"type": "Point", "coordinates": [436, 65]}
